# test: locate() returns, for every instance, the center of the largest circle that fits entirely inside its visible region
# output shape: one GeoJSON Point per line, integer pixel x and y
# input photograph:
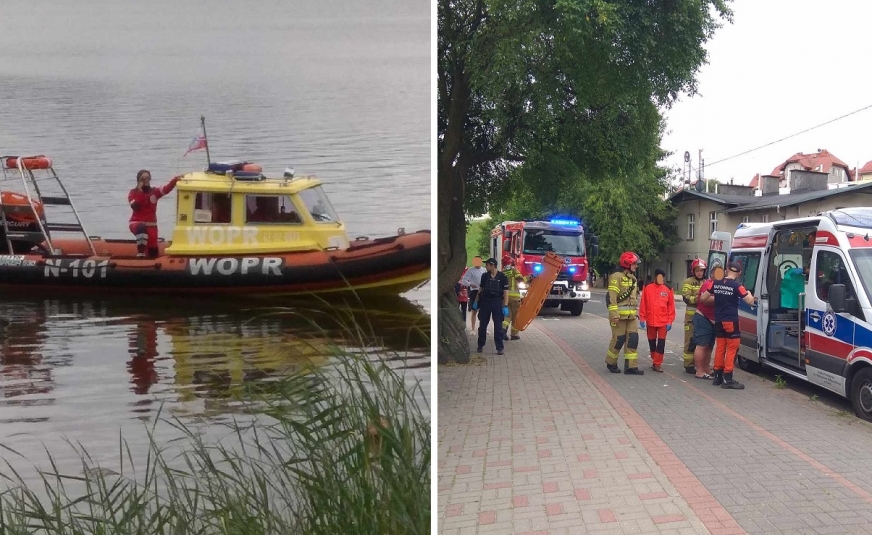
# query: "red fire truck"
{"type": "Point", "coordinates": [528, 241]}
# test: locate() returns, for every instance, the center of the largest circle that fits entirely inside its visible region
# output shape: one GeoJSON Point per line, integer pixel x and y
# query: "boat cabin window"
{"type": "Point", "coordinates": [212, 208]}
{"type": "Point", "coordinates": [318, 205]}
{"type": "Point", "coordinates": [274, 209]}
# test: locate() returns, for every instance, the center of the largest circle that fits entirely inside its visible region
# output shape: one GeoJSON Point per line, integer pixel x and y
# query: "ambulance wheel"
{"type": "Point", "coordinates": [747, 365]}
{"type": "Point", "coordinates": [861, 394]}
{"type": "Point", "coordinates": [576, 308]}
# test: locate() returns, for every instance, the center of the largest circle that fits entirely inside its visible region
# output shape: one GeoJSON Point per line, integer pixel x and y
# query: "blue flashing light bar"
{"type": "Point", "coordinates": [537, 268]}
{"type": "Point", "coordinates": [572, 269]}
{"type": "Point", "coordinates": [568, 222]}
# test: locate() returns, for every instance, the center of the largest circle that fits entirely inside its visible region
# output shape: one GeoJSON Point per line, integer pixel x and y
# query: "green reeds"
{"type": "Point", "coordinates": [341, 449]}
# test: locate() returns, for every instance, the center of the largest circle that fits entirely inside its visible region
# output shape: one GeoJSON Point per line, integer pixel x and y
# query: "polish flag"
{"type": "Point", "coordinates": [197, 143]}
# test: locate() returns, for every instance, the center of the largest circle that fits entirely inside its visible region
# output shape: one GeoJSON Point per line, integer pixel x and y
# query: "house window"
{"type": "Point", "coordinates": [713, 221]}
{"type": "Point", "coordinates": [765, 218]}
{"type": "Point", "coordinates": [212, 208]}
{"type": "Point", "coordinates": [270, 209]}
{"type": "Point", "coordinates": [690, 227]}
{"type": "Point", "coordinates": [746, 219]}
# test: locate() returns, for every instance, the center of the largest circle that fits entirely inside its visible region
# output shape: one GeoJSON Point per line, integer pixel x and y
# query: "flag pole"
{"type": "Point", "coordinates": [203, 124]}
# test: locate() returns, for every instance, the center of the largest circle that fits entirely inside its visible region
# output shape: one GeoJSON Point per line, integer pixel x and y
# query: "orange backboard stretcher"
{"type": "Point", "coordinates": [538, 291]}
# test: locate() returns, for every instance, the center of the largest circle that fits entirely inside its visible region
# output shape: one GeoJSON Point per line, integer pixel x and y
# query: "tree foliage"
{"type": "Point", "coordinates": [556, 97]}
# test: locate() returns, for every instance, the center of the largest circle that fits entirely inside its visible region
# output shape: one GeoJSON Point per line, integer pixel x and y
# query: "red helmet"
{"type": "Point", "coordinates": [628, 259]}
{"type": "Point", "coordinates": [507, 260]}
{"type": "Point", "coordinates": [698, 263]}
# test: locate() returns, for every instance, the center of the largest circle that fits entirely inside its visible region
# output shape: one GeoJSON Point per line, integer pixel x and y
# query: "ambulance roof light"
{"type": "Point", "coordinates": [567, 222]}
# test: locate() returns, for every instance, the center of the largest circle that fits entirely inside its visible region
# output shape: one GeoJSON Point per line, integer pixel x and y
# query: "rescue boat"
{"type": "Point", "coordinates": [237, 231]}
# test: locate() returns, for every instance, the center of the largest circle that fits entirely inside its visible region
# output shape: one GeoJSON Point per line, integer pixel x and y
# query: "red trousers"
{"type": "Point", "coordinates": [727, 345]}
{"type": "Point", "coordinates": [657, 343]}
{"type": "Point", "coordinates": [144, 234]}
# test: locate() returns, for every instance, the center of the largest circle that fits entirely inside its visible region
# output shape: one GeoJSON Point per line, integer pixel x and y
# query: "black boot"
{"type": "Point", "coordinates": [613, 368]}
{"type": "Point", "coordinates": [633, 371]}
{"type": "Point", "coordinates": [731, 383]}
{"type": "Point", "coordinates": [719, 378]}
{"type": "Point", "coordinates": [690, 369]}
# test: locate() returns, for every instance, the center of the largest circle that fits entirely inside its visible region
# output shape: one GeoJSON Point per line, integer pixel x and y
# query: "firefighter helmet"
{"type": "Point", "coordinates": [628, 259]}
{"type": "Point", "coordinates": [698, 263]}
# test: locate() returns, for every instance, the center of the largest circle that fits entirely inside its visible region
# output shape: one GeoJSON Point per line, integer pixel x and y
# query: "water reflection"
{"type": "Point", "coordinates": [65, 359]}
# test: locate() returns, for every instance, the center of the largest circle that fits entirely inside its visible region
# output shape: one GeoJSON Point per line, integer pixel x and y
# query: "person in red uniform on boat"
{"type": "Point", "coordinates": [143, 222]}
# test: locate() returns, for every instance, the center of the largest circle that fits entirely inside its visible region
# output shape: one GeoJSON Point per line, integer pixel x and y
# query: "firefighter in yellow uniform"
{"type": "Point", "coordinates": [690, 295]}
{"type": "Point", "coordinates": [515, 277]}
{"type": "Point", "coordinates": [622, 303]}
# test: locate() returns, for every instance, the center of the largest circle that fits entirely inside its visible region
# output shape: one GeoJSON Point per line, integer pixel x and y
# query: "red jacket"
{"type": "Point", "coordinates": [144, 204]}
{"type": "Point", "coordinates": [657, 305]}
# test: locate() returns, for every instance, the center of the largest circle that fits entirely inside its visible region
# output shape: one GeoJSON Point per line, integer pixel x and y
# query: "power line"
{"type": "Point", "coordinates": [790, 136]}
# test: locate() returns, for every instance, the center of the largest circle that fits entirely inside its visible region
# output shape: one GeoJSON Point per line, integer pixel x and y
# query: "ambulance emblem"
{"type": "Point", "coordinates": [829, 323]}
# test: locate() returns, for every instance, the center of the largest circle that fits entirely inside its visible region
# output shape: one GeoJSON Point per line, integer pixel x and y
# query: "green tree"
{"type": "Point", "coordinates": [559, 92]}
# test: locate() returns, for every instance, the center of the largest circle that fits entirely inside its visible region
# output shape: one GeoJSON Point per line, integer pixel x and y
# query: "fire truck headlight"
{"type": "Point", "coordinates": [537, 268]}
{"type": "Point", "coordinates": [584, 286]}
{"type": "Point", "coordinates": [572, 269]}
{"type": "Point", "coordinates": [522, 285]}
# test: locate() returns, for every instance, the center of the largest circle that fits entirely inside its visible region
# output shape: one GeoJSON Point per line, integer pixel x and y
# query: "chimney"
{"type": "Point", "coordinates": [802, 180]}
{"type": "Point", "coordinates": [769, 184]}
{"type": "Point", "coordinates": [732, 189]}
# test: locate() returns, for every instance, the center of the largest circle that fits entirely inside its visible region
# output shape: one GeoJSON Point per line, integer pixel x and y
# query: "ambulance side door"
{"type": "Point", "coordinates": [830, 335]}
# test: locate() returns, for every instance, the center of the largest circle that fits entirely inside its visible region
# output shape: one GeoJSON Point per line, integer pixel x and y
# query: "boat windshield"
{"type": "Point", "coordinates": [863, 263]}
{"type": "Point", "coordinates": [318, 205]}
{"type": "Point", "coordinates": [565, 243]}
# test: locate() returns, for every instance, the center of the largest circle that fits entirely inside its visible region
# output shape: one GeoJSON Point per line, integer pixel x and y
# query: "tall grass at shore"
{"type": "Point", "coordinates": [340, 449]}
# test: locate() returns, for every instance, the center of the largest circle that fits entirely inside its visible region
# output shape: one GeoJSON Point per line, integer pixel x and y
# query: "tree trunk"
{"type": "Point", "coordinates": [453, 342]}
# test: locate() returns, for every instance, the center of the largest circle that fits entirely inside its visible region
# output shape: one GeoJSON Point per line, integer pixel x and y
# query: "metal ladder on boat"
{"type": "Point", "coordinates": [48, 191]}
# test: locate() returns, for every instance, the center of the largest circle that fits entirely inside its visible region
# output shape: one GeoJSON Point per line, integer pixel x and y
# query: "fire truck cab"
{"type": "Point", "coordinates": [813, 278]}
{"type": "Point", "coordinates": [526, 242]}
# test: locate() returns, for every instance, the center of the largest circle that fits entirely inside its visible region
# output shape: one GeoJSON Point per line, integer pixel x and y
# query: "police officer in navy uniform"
{"type": "Point", "coordinates": [492, 302]}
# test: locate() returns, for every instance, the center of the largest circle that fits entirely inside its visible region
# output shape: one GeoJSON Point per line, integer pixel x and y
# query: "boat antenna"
{"type": "Point", "coordinates": [203, 124]}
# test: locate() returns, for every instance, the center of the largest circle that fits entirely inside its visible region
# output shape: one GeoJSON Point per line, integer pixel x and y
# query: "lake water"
{"type": "Point", "coordinates": [339, 90]}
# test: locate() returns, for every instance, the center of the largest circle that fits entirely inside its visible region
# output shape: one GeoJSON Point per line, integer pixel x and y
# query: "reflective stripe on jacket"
{"type": "Point", "coordinates": [513, 274]}
{"type": "Point", "coordinates": [690, 294]}
{"type": "Point", "coordinates": [621, 297]}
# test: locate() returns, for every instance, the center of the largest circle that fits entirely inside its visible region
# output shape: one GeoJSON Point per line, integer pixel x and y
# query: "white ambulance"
{"type": "Point", "coordinates": [813, 278]}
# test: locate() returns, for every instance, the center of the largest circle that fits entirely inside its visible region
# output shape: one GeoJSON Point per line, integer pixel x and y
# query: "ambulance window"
{"type": "Point", "coordinates": [831, 270]}
{"type": "Point", "coordinates": [750, 264]}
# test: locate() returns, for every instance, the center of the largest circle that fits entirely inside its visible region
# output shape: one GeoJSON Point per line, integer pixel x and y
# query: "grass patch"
{"type": "Point", "coordinates": [814, 397]}
{"type": "Point", "coordinates": [474, 238]}
{"type": "Point", "coordinates": [780, 382]}
{"type": "Point", "coordinates": [341, 449]}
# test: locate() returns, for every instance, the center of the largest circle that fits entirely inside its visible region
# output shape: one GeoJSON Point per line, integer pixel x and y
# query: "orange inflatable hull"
{"type": "Point", "coordinates": [391, 265]}
{"type": "Point", "coordinates": [538, 291]}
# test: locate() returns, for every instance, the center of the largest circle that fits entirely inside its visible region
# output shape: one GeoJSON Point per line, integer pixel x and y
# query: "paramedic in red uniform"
{"type": "Point", "coordinates": [143, 200]}
{"type": "Point", "coordinates": [727, 292]}
{"type": "Point", "coordinates": [656, 313]}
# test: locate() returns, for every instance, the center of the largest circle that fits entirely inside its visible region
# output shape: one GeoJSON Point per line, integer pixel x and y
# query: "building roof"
{"type": "Point", "coordinates": [743, 203]}
{"type": "Point", "coordinates": [792, 199]}
{"type": "Point", "coordinates": [867, 168]}
{"type": "Point", "coordinates": [810, 162]}
{"type": "Point", "coordinates": [727, 200]}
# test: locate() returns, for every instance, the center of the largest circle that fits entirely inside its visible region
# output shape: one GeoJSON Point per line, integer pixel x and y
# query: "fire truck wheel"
{"type": "Point", "coordinates": [576, 308]}
{"type": "Point", "coordinates": [861, 394]}
{"type": "Point", "coordinates": [747, 365]}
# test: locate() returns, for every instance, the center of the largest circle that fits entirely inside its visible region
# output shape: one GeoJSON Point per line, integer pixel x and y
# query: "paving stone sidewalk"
{"type": "Point", "coordinates": [533, 445]}
{"type": "Point", "coordinates": [544, 440]}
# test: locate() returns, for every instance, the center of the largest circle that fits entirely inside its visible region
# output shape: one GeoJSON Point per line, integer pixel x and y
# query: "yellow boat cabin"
{"type": "Point", "coordinates": [244, 212]}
